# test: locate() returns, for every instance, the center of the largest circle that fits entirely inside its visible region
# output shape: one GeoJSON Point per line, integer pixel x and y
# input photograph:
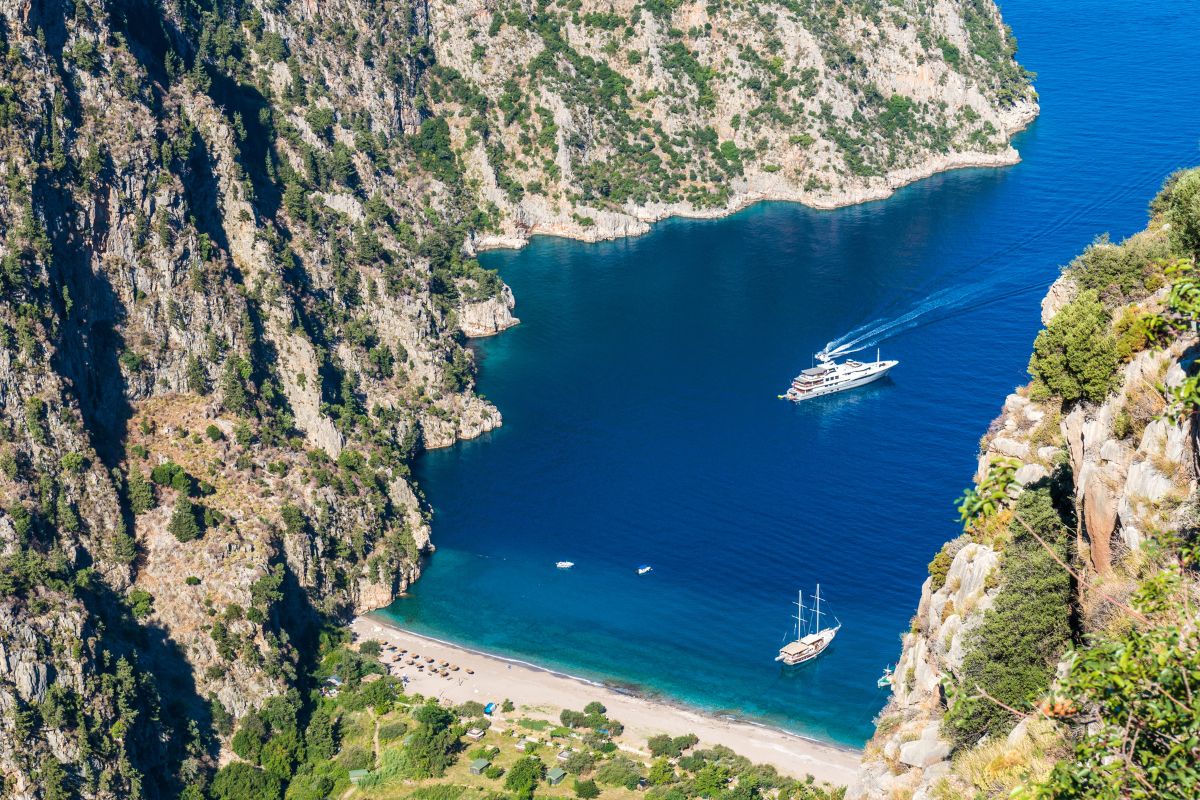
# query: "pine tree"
{"type": "Point", "coordinates": [123, 548]}
{"type": "Point", "coordinates": [321, 737]}
{"type": "Point", "coordinates": [234, 389]}
{"type": "Point", "coordinates": [139, 491]}
{"type": "Point", "coordinates": [197, 380]}
{"type": "Point", "coordinates": [183, 525]}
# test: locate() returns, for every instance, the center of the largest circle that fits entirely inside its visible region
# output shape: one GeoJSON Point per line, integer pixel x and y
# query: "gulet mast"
{"type": "Point", "coordinates": [817, 617]}
{"type": "Point", "coordinates": [799, 615]}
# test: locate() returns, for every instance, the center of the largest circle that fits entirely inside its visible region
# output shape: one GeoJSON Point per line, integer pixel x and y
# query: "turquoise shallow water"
{"type": "Point", "coordinates": [641, 423]}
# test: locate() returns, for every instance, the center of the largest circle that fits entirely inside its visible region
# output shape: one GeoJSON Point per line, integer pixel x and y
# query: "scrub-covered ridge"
{"type": "Point", "coordinates": [1055, 651]}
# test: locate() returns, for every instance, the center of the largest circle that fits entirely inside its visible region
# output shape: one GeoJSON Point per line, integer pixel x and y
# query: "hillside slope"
{"type": "Point", "coordinates": [592, 118]}
{"type": "Point", "coordinates": [1056, 643]}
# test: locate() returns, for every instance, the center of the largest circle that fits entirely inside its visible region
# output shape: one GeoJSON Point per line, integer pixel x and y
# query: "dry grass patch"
{"type": "Point", "coordinates": [995, 768]}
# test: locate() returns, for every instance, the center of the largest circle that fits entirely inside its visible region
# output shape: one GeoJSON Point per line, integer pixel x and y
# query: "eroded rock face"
{"type": "Point", "coordinates": [1127, 463]}
{"type": "Point", "coordinates": [256, 269]}
{"type": "Point", "coordinates": [1061, 292]}
{"type": "Point", "coordinates": [710, 134]}
{"type": "Point", "coordinates": [185, 259]}
{"type": "Point", "coordinates": [926, 751]}
{"type": "Point", "coordinates": [910, 755]}
{"type": "Point", "coordinates": [488, 317]}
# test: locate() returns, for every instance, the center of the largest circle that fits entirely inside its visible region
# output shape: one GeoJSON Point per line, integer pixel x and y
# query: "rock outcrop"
{"type": "Point", "coordinates": [488, 317]}
{"type": "Point", "coordinates": [615, 115]}
{"type": "Point", "coordinates": [1130, 473]}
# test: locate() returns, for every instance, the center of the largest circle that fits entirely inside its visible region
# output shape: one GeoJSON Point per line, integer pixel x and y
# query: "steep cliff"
{"type": "Point", "coordinates": [1092, 479]}
{"type": "Point", "coordinates": [591, 119]}
{"type": "Point", "coordinates": [232, 287]}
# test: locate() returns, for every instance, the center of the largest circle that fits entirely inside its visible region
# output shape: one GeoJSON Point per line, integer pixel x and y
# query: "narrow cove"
{"type": "Point", "coordinates": [642, 425]}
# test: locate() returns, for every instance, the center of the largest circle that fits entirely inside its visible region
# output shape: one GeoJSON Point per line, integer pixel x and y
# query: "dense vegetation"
{"type": "Point", "coordinates": [413, 747]}
{"type": "Point", "coordinates": [562, 119]}
{"type": "Point", "coordinates": [1097, 659]}
{"type": "Point", "coordinates": [235, 250]}
{"type": "Point", "coordinates": [1011, 656]}
{"type": "Point", "coordinates": [1075, 356]}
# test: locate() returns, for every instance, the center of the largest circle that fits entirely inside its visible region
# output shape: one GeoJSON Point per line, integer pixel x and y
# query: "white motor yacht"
{"type": "Point", "coordinates": [828, 376]}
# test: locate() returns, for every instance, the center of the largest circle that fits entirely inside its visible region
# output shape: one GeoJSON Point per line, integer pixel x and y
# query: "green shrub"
{"type": "Point", "coordinates": [1133, 334]}
{"type": "Point", "coordinates": [673, 747]}
{"type": "Point", "coordinates": [250, 736]}
{"type": "Point", "coordinates": [587, 790]}
{"type": "Point", "coordinates": [139, 491]}
{"type": "Point", "coordinates": [620, 771]}
{"type": "Point", "coordinates": [1141, 680]}
{"type": "Point", "coordinates": [310, 787]}
{"type": "Point", "coordinates": [1181, 202]}
{"type": "Point", "coordinates": [184, 525]}
{"type": "Point", "coordinates": [323, 734]}
{"type": "Point", "coordinates": [471, 708]}
{"type": "Point", "coordinates": [196, 377]}
{"type": "Point", "coordinates": [661, 772]}
{"type": "Point", "coordinates": [35, 411]}
{"type": "Point", "coordinates": [1075, 356]}
{"type": "Point", "coordinates": [1013, 653]}
{"type": "Point", "coordinates": [580, 763]}
{"type": "Point", "coordinates": [239, 781]}
{"type": "Point", "coordinates": [140, 602]}
{"type": "Point", "coordinates": [524, 776]}
{"type": "Point", "coordinates": [1121, 273]}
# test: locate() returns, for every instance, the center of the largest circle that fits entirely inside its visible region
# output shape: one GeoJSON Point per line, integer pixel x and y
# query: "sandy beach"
{"type": "Point", "coordinates": [542, 693]}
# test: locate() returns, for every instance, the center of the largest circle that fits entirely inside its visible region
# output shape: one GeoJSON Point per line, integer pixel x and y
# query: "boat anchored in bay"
{"type": "Point", "coordinates": [828, 376]}
{"type": "Point", "coordinates": [811, 639]}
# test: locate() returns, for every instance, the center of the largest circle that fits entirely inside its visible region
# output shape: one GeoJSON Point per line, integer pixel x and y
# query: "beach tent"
{"type": "Point", "coordinates": [489, 708]}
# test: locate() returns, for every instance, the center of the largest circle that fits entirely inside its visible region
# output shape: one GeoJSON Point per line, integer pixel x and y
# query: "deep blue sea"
{"type": "Point", "coordinates": [641, 423]}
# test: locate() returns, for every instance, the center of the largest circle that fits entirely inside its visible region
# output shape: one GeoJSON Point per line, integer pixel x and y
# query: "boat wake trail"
{"type": "Point", "coordinates": [873, 333]}
{"type": "Point", "coordinates": [952, 302]}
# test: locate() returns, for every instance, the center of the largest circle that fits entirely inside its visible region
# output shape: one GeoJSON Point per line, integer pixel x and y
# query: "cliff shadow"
{"type": "Point", "coordinates": [250, 113]}
{"type": "Point", "coordinates": [296, 616]}
{"type": "Point", "coordinates": [161, 736]}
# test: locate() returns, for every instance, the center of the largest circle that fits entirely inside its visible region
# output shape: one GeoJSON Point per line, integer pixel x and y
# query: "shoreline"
{"type": "Point", "coordinates": [542, 692]}
{"type": "Point", "coordinates": [629, 223]}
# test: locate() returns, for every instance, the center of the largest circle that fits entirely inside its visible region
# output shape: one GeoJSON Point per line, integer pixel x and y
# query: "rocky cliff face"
{"type": "Point", "coordinates": [238, 283]}
{"type": "Point", "coordinates": [223, 260]}
{"type": "Point", "coordinates": [1127, 472]}
{"type": "Point", "coordinates": [593, 119]}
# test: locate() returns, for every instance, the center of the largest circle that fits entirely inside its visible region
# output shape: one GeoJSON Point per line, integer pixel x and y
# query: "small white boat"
{"type": "Point", "coordinates": [564, 564]}
{"type": "Point", "coordinates": [644, 568]}
{"type": "Point", "coordinates": [885, 680]}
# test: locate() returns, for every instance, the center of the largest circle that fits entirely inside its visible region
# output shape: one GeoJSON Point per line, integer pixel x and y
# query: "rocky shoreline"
{"type": "Point", "coordinates": [763, 188]}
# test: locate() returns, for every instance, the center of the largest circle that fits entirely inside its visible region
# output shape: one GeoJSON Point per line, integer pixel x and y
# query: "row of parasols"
{"type": "Point", "coordinates": [435, 667]}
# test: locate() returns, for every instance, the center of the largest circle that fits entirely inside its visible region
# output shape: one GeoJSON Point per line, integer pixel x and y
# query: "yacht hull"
{"type": "Point", "coordinates": [801, 652]}
{"type": "Point", "coordinates": [854, 383]}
